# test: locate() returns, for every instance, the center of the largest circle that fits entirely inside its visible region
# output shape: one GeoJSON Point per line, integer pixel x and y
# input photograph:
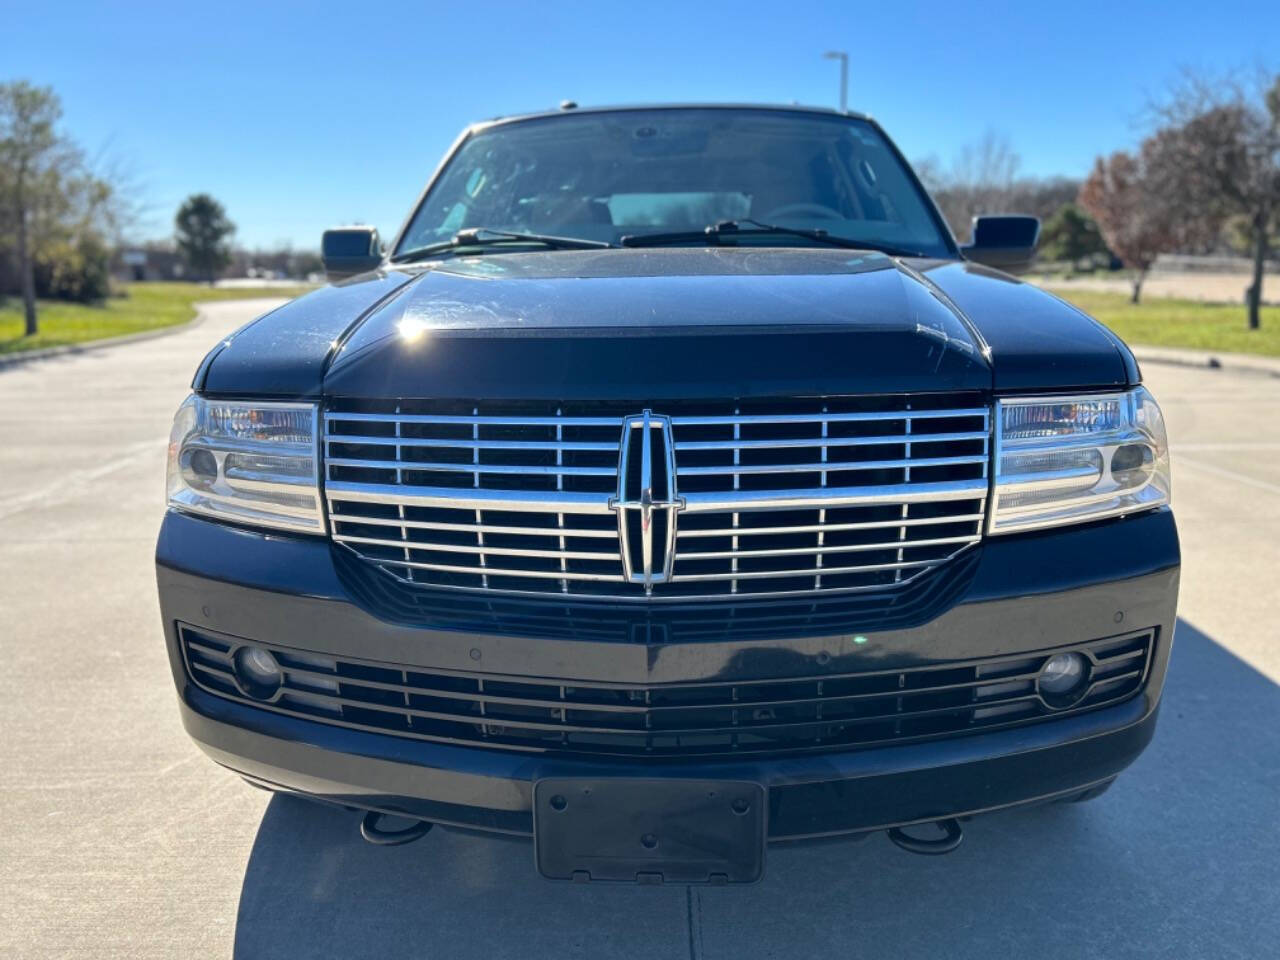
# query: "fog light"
{"type": "Point", "coordinates": [1063, 677]}
{"type": "Point", "coordinates": [257, 672]}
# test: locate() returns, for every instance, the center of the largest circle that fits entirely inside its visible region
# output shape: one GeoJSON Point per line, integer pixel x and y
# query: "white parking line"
{"type": "Point", "coordinates": [77, 482]}
{"type": "Point", "coordinates": [1227, 474]}
{"type": "Point", "coordinates": [1243, 445]}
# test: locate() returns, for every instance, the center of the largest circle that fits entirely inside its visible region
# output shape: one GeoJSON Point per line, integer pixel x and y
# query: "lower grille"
{"type": "Point", "coordinates": [765, 716]}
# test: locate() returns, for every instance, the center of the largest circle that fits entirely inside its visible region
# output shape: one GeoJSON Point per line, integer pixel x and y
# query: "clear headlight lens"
{"type": "Point", "coordinates": [1070, 459]}
{"type": "Point", "coordinates": [252, 463]}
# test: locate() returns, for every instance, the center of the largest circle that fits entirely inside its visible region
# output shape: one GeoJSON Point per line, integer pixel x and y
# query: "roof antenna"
{"type": "Point", "coordinates": [568, 105]}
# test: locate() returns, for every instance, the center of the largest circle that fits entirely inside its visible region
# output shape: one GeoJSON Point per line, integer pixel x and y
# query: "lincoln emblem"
{"type": "Point", "coordinates": [646, 503]}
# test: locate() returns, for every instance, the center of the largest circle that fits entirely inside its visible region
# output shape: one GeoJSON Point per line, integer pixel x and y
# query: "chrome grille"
{"type": "Point", "coordinates": [777, 497]}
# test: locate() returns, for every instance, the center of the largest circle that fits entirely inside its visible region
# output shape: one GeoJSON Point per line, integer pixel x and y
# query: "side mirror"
{"type": "Point", "coordinates": [347, 251]}
{"type": "Point", "coordinates": [1006, 242]}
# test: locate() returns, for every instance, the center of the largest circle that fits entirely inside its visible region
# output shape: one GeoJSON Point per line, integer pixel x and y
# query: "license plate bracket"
{"type": "Point", "coordinates": [631, 830]}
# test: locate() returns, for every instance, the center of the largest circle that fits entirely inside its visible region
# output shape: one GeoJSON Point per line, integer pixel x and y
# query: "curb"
{"type": "Point", "coordinates": [45, 353]}
{"type": "Point", "coordinates": [1207, 360]}
{"type": "Point", "coordinates": [88, 346]}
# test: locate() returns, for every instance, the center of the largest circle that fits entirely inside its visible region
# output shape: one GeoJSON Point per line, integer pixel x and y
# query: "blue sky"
{"type": "Point", "coordinates": [299, 116]}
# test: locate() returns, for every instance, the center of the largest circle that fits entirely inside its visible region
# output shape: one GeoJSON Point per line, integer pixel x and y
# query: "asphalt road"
{"type": "Point", "coordinates": [124, 841]}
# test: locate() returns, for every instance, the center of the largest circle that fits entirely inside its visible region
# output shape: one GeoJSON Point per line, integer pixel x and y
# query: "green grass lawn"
{"type": "Point", "coordinates": [1161, 322]}
{"type": "Point", "coordinates": [146, 306]}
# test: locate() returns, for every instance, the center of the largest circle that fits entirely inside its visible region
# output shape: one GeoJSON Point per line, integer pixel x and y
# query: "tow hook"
{"type": "Point", "coordinates": [951, 837]}
{"type": "Point", "coordinates": [373, 833]}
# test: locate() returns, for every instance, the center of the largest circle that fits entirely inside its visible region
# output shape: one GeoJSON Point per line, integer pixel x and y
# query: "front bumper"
{"type": "Point", "coordinates": [1029, 593]}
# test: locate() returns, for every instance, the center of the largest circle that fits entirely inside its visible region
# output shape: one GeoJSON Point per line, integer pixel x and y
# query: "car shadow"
{"type": "Point", "coordinates": [1178, 859]}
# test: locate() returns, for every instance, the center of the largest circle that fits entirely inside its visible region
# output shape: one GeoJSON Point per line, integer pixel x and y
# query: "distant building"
{"type": "Point", "coordinates": [135, 264]}
{"type": "Point", "coordinates": [149, 262]}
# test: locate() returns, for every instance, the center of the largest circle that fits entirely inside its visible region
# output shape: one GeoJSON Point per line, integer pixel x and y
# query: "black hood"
{"type": "Point", "coordinates": [1036, 341]}
{"type": "Point", "coordinates": [660, 324]}
{"type": "Point", "coordinates": [686, 323]}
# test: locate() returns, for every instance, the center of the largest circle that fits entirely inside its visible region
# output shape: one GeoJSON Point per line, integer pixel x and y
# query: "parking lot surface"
{"type": "Point", "coordinates": [124, 841]}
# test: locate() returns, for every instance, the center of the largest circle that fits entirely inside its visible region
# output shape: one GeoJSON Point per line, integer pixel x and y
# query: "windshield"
{"type": "Point", "coordinates": [602, 176]}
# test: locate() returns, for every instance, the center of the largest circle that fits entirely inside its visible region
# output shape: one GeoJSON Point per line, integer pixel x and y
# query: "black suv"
{"type": "Point", "coordinates": [676, 485]}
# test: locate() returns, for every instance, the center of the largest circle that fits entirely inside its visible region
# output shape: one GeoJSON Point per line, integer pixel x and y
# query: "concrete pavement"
{"type": "Point", "coordinates": [124, 841]}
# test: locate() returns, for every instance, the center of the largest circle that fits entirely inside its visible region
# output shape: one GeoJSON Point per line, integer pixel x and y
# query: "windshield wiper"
{"type": "Point", "coordinates": [731, 228]}
{"type": "Point", "coordinates": [485, 237]}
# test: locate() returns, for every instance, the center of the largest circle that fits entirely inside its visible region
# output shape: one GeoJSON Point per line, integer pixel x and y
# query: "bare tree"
{"type": "Point", "coordinates": [1219, 158]}
{"type": "Point", "coordinates": [980, 180]}
{"type": "Point", "coordinates": [983, 178]}
{"type": "Point", "coordinates": [990, 164]}
{"type": "Point", "coordinates": [929, 170]}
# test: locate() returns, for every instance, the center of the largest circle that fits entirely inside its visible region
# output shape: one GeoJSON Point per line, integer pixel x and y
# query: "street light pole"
{"type": "Point", "coordinates": [843, 57]}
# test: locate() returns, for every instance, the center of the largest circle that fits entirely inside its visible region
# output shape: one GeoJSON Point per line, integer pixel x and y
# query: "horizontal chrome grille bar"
{"type": "Point", "coordinates": [491, 571]}
{"type": "Point", "coordinates": [539, 445]}
{"type": "Point", "coordinates": [832, 466]}
{"type": "Point", "coordinates": [877, 415]}
{"type": "Point", "coordinates": [813, 571]}
{"type": "Point", "coordinates": [512, 501]}
{"type": "Point", "coordinates": [503, 468]}
{"type": "Point", "coordinates": [476, 420]}
{"type": "Point", "coordinates": [530, 531]}
{"type": "Point", "coordinates": [817, 441]}
{"type": "Point", "coordinates": [832, 498]}
{"type": "Point", "coordinates": [487, 550]}
{"type": "Point", "coordinates": [828, 527]}
{"type": "Point", "coordinates": [816, 551]}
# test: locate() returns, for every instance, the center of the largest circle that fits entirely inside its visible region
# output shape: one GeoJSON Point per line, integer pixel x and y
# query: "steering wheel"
{"type": "Point", "coordinates": [802, 210]}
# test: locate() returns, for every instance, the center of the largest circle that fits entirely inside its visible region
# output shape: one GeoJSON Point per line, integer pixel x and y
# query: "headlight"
{"type": "Point", "coordinates": [252, 463]}
{"type": "Point", "coordinates": [1070, 459]}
